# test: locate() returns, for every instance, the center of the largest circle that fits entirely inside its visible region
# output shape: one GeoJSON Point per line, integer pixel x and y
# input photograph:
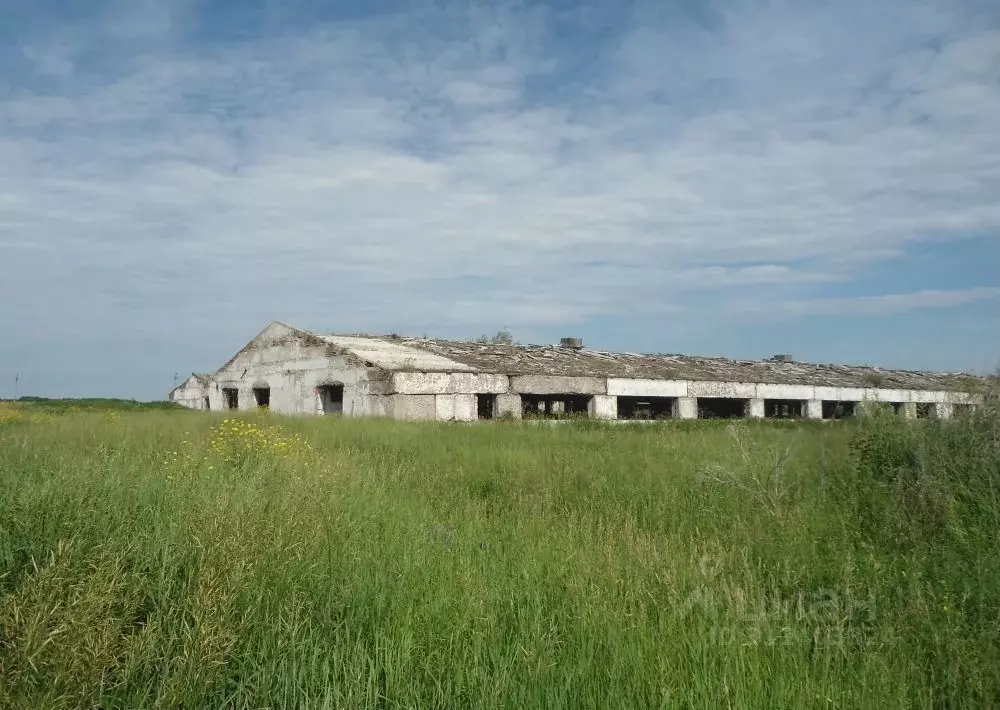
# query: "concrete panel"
{"type": "Point", "coordinates": [755, 410]}
{"type": "Point", "coordinates": [686, 408]}
{"type": "Point", "coordinates": [508, 405]}
{"type": "Point", "coordinates": [927, 396]}
{"type": "Point", "coordinates": [448, 383]}
{"type": "Point", "coordinates": [541, 384]}
{"type": "Point", "coordinates": [603, 406]}
{"type": "Point", "coordinates": [840, 394]}
{"type": "Point", "coordinates": [909, 410]}
{"type": "Point", "coordinates": [444, 407]}
{"type": "Point", "coordinates": [465, 408]}
{"type": "Point", "coordinates": [454, 407]}
{"type": "Point", "coordinates": [887, 395]}
{"type": "Point", "coordinates": [814, 409]}
{"type": "Point", "coordinates": [647, 388]}
{"type": "Point", "coordinates": [412, 406]}
{"type": "Point", "coordinates": [734, 390]}
{"type": "Point", "coordinates": [802, 392]}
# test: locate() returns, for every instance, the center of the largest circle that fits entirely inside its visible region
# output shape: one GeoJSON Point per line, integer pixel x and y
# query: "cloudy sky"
{"type": "Point", "coordinates": [727, 177]}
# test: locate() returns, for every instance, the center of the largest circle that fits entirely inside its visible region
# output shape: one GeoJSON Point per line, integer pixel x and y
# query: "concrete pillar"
{"type": "Point", "coordinates": [755, 408]}
{"type": "Point", "coordinates": [686, 408]}
{"type": "Point", "coordinates": [602, 406]}
{"type": "Point", "coordinates": [909, 410]}
{"type": "Point", "coordinates": [942, 410]}
{"type": "Point", "coordinates": [508, 406]}
{"type": "Point", "coordinates": [865, 407]}
{"type": "Point", "coordinates": [814, 409]}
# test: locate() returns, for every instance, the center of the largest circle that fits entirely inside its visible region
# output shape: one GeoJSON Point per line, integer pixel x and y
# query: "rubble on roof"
{"type": "Point", "coordinates": [570, 362]}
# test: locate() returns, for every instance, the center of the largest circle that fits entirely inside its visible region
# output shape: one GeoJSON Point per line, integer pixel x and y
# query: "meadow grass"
{"type": "Point", "coordinates": [183, 560]}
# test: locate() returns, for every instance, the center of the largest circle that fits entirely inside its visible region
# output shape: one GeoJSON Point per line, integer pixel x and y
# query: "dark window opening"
{"type": "Point", "coordinates": [208, 404]}
{"type": "Point", "coordinates": [332, 398]}
{"type": "Point", "coordinates": [839, 410]}
{"type": "Point", "coordinates": [961, 410]}
{"type": "Point", "coordinates": [644, 408]}
{"type": "Point", "coordinates": [486, 406]}
{"type": "Point", "coordinates": [232, 396]}
{"type": "Point", "coordinates": [554, 405]}
{"type": "Point", "coordinates": [262, 396]}
{"type": "Point", "coordinates": [897, 407]}
{"type": "Point", "coordinates": [722, 408]}
{"type": "Point", "coordinates": [923, 410]}
{"type": "Point", "coordinates": [783, 408]}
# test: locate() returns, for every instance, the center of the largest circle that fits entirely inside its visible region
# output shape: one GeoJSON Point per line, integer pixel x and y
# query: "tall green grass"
{"type": "Point", "coordinates": [362, 564]}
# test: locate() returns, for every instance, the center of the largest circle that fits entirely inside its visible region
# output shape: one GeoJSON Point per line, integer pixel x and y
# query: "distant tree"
{"type": "Point", "coordinates": [502, 337]}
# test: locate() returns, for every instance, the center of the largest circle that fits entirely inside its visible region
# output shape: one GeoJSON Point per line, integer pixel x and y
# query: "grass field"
{"type": "Point", "coordinates": [172, 559]}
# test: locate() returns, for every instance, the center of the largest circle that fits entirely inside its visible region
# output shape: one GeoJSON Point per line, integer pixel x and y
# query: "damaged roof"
{"type": "Point", "coordinates": [398, 353]}
{"type": "Point", "coordinates": [201, 379]}
{"type": "Point", "coordinates": [390, 354]}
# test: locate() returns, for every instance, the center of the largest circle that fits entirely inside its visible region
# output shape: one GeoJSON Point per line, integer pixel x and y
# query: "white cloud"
{"type": "Point", "coordinates": [317, 176]}
{"type": "Point", "coordinates": [883, 305]}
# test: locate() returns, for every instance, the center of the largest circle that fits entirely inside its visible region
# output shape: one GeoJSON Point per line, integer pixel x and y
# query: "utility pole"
{"type": "Point", "coordinates": [17, 378]}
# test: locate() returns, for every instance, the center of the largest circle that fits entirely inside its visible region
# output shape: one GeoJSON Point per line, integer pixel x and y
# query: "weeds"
{"type": "Point", "coordinates": [355, 564]}
{"type": "Point", "coordinates": [762, 473]}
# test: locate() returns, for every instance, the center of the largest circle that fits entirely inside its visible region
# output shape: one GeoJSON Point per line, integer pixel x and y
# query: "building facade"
{"type": "Point", "coordinates": [295, 371]}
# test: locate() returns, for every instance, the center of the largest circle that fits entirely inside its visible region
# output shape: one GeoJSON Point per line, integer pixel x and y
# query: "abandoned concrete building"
{"type": "Point", "coordinates": [294, 371]}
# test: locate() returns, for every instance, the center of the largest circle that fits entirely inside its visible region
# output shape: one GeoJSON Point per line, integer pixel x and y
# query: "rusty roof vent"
{"type": "Point", "coordinates": [783, 357]}
{"type": "Point", "coordinates": [571, 343]}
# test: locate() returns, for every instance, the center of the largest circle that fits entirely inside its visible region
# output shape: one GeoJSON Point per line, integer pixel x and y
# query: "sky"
{"type": "Point", "coordinates": [731, 177]}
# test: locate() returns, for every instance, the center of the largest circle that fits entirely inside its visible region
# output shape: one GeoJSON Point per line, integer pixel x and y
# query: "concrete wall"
{"type": "Point", "coordinates": [294, 370]}
{"type": "Point", "coordinates": [543, 384]}
{"type": "Point", "coordinates": [191, 394]}
{"type": "Point", "coordinates": [647, 388]}
{"type": "Point", "coordinates": [448, 383]}
{"type": "Point", "coordinates": [453, 407]}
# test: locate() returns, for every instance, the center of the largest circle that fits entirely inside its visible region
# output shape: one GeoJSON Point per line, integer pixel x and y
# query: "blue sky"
{"type": "Point", "coordinates": [724, 178]}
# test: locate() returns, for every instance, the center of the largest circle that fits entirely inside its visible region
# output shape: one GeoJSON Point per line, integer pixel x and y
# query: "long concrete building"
{"type": "Point", "coordinates": [295, 371]}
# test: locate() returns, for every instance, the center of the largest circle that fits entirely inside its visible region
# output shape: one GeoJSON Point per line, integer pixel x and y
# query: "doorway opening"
{"type": "Point", "coordinates": [331, 398]}
{"type": "Point", "coordinates": [486, 406]}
